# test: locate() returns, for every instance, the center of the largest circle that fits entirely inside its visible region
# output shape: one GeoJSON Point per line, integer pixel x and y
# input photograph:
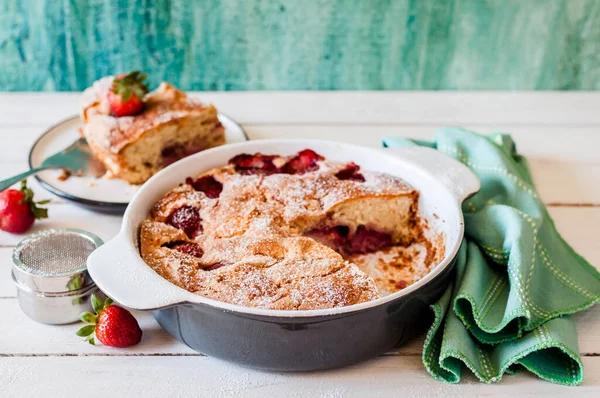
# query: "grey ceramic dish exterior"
{"type": "Point", "coordinates": [291, 340]}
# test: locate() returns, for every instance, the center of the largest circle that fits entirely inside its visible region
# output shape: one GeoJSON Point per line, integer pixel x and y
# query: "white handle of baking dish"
{"type": "Point", "coordinates": [122, 275]}
{"type": "Point", "coordinates": [454, 175]}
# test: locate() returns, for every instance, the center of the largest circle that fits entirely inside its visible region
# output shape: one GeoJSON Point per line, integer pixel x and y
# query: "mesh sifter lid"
{"type": "Point", "coordinates": [54, 260]}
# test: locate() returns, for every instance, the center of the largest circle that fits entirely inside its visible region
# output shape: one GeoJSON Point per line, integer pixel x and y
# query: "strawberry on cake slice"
{"type": "Point", "coordinates": [136, 132]}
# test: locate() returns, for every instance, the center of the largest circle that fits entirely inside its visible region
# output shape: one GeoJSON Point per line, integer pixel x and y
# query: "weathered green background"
{"type": "Point", "coordinates": [304, 44]}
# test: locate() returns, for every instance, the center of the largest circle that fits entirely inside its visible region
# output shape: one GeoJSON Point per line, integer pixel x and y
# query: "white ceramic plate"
{"type": "Point", "coordinates": [109, 195]}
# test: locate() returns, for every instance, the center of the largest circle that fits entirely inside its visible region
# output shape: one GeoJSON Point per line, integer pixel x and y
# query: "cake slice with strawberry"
{"type": "Point", "coordinates": [136, 132]}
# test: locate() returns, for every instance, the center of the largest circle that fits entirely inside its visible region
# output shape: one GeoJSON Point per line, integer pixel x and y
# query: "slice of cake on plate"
{"type": "Point", "coordinates": [169, 126]}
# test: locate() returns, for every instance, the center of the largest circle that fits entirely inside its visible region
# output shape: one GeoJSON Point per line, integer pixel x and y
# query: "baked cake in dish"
{"type": "Point", "coordinates": [280, 232]}
{"type": "Point", "coordinates": [133, 148]}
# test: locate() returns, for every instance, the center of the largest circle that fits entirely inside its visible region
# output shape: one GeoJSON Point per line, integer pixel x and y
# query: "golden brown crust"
{"type": "Point", "coordinates": [254, 231]}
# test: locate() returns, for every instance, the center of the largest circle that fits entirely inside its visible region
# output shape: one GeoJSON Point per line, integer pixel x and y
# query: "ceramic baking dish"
{"type": "Point", "coordinates": [290, 340]}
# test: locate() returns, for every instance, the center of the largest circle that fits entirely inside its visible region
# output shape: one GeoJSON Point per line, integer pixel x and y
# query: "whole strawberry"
{"type": "Point", "coordinates": [18, 211]}
{"type": "Point", "coordinates": [114, 326]}
{"type": "Point", "coordinates": [126, 96]}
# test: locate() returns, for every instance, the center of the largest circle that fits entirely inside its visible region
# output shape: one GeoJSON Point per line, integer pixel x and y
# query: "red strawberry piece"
{"type": "Point", "coordinates": [113, 326]}
{"type": "Point", "coordinates": [334, 237]}
{"type": "Point", "coordinates": [303, 162]}
{"type": "Point", "coordinates": [215, 266]}
{"type": "Point", "coordinates": [207, 184]}
{"type": "Point", "coordinates": [171, 154]}
{"type": "Point", "coordinates": [126, 96]}
{"type": "Point", "coordinates": [367, 240]}
{"type": "Point", "coordinates": [339, 234]}
{"type": "Point", "coordinates": [401, 284]}
{"type": "Point", "coordinates": [254, 164]}
{"type": "Point", "coordinates": [18, 211]}
{"type": "Point", "coordinates": [350, 172]}
{"type": "Point", "coordinates": [309, 157]}
{"type": "Point", "coordinates": [364, 240]}
{"type": "Point", "coordinates": [191, 248]}
{"type": "Point", "coordinates": [186, 218]}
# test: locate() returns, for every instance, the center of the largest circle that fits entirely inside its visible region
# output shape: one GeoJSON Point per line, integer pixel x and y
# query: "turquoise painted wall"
{"type": "Point", "coordinates": [304, 44]}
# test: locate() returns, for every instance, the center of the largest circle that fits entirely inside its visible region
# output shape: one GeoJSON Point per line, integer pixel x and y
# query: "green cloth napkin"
{"type": "Point", "coordinates": [516, 279]}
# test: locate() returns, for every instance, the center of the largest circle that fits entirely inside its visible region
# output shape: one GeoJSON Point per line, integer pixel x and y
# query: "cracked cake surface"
{"type": "Point", "coordinates": [280, 232]}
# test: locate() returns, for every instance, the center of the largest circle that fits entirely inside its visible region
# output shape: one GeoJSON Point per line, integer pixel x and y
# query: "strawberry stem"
{"type": "Point", "coordinates": [132, 83]}
{"type": "Point", "coordinates": [88, 317]}
{"type": "Point", "coordinates": [88, 331]}
{"type": "Point", "coordinates": [38, 212]}
{"type": "Point", "coordinates": [97, 304]}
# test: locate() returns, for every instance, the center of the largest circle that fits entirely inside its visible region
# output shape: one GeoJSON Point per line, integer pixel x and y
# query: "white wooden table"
{"type": "Point", "coordinates": [560, 133]}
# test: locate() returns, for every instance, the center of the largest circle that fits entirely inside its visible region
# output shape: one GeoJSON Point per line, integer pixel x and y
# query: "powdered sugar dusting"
{"type": "Point", "coordinates": [96, 94]}
{"type": "Point", "coordinates": [163, 105]}
{"type": "Point", "coordinates": [255, 253]}
{"type": "Point", "coordinates": [168, 116]}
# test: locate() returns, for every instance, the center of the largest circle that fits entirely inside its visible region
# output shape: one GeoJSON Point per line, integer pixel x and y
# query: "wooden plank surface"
{"type": "Point", "coordinates": [167, 376]}
{"type": "Point", "coordinates": [564, 173]}
{"type": "Point", "coordinates": [559, 133]}
{"type": "Point", "coordinates": [568, 109]}
{"type": "Point", "coordinates": [26, 337]}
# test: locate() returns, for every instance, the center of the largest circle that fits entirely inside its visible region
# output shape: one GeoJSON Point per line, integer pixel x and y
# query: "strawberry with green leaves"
{"type": "Point", "coordinates": [18, 211]}
{"type": "Point", "coordinates": [113, 326]}
{"type": "Point", "coordinates": [126, 96]}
